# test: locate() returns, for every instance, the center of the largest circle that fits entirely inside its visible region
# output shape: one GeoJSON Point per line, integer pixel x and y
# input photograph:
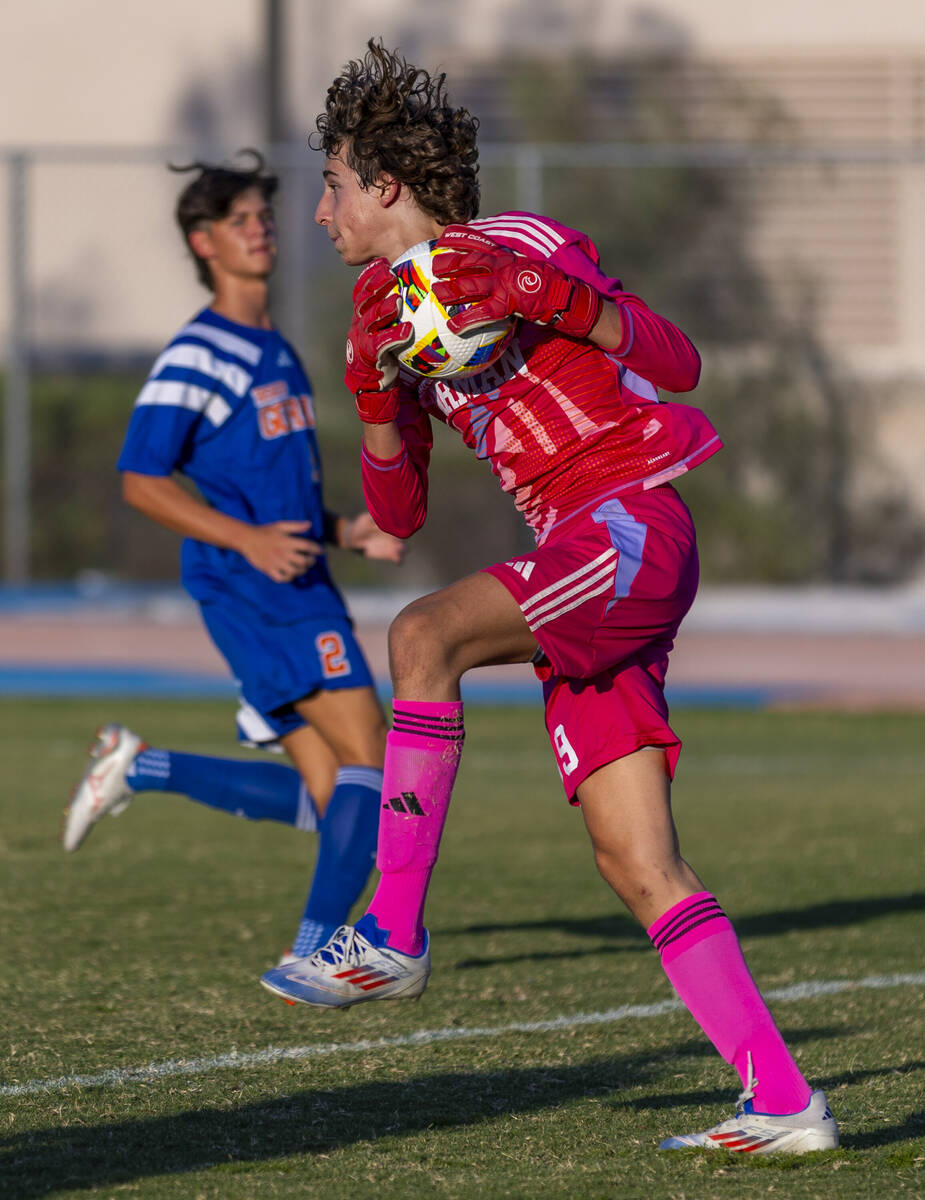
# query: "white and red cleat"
{"type": "Point", "coordinates": [103, 790]}
{"type": "Point", "coordinates": [351, 969]}
{"type": "Point", "coordinates": [750, 1132]}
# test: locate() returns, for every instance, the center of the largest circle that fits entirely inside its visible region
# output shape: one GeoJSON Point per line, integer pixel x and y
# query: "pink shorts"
{"type": "Point", "coordinates": [604, 597]}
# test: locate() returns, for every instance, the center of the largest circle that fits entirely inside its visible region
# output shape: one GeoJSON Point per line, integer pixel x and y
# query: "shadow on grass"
{"type": "Point", "coordinates": [628, 936]}
{"type": "Point", "coordinates": [613, 933]}
{"type": "Point", "coordinates": [828, 1084]}
{"type": "Point", "coordinates": [887, 1135]}
{"type": "Point", "coordinates": [37, 1162]}
{"type": "Point", "coordinates": [908, 1132]}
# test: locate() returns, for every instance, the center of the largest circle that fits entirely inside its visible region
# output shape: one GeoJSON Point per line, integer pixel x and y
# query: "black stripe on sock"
{"type": "Point", "coordinates": [446, 728]}
{"type": "Point", "coordinates": [684, 922]}
{"type": "Point", "coordinates": [713, 916]}
{"type": "Point", "coordinates": [692, 910]}
{"type": "Point", "coordinates": [401, 715]}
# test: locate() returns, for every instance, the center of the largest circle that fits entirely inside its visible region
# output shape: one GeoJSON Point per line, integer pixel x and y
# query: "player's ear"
{"type": "Point", "coordinates": [200, 242]}
{"type": "Point", "coordinates": [389, 190]}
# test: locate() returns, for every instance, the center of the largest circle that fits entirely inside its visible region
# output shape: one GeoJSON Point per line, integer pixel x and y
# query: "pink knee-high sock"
{"type": "Point", "coordinates": [702, 957]}
{"type": "Point", "coordinates": [421, 759]}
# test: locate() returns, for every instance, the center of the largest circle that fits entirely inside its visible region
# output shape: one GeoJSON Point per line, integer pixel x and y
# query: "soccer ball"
{"type": "Point", "coordinates": [435, 352]}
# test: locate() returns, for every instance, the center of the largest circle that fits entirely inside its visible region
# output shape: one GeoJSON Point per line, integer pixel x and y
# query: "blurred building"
{"type": "Point", "coordinates": [103, 259]}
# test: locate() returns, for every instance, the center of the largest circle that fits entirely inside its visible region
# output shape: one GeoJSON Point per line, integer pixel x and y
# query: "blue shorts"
{"type": "Point", "coordinates": [277, 665]}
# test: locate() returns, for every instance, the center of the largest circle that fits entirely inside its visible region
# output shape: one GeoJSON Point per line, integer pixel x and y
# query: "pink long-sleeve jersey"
{"type": "Point", "coordinates": [561, 421]}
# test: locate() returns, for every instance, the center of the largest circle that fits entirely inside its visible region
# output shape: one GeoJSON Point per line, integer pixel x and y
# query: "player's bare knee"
{"type": "Point", "coordinates": [639, 878]}
{"type": "Point", "coordinates": [611, 865]}
{"type": "Point", "coordinates": [420, 646]}
{"type": "Point", "coordinates": [622, 867]}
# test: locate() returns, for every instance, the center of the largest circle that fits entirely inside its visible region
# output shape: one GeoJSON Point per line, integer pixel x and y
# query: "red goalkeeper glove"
{"type": "Point", "coordinates": [498, 283]}
{"type": "Point", "coordinates": [375, 334]}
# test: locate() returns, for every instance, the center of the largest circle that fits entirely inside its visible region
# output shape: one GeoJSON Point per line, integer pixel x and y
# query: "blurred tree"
{"type": "Point", "coordinates": [782, 502]}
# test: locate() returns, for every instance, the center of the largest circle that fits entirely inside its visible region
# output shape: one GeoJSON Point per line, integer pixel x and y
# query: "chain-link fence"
{"type": "Point", "coordinates": [798, 270]}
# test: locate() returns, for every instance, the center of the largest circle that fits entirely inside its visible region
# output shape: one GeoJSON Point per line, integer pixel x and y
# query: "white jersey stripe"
{"type": "Point", "coordinates": [198, 358]}
{"type": "Point", "coordinates": [529, 228]}
{"type": "Point", "coordinates": [185, 395]}
{"type": "Point", "coordinates": [217, 411]}
{"type": "Point", "coordinates": [561, 583]}
{"type": "Point", "coordinates": [607, 572]}
{"type": "Point", "coordinates": [229, 342]}
{"type": "Point", "coordinates": [528, 220]}
{"type": "Point", "coordinates": [534, 243]}
{"type": "Point", "coordinates": [605, 586]}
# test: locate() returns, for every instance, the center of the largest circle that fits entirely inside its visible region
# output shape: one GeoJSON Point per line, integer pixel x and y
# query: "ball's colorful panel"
{"type": "Point", "coordinates": [435, 351]}
{"type": "Point", "coordinates": [415, 285]}
{"type": "Point", "coordinates": [427, 356]}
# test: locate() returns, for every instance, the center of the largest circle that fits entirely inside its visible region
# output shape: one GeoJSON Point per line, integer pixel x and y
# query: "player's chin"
{"type": "Point", "coordinates": [352, 257]}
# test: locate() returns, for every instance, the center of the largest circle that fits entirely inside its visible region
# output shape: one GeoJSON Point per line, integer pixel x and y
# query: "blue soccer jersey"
{"type": "Point", "coordinates": [230, 406]}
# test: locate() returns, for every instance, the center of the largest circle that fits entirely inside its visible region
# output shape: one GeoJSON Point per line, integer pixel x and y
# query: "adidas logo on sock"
{"type": "Point", "coordinates": [406, 803]}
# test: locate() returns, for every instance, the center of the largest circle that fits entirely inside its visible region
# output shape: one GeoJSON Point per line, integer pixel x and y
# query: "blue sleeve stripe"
{"type": "Point", "coordinates": [201, 360]}
{"type": "Point", "coordinates": [229, 342]}
{"type": "Point", "coordinates": [178, 394]}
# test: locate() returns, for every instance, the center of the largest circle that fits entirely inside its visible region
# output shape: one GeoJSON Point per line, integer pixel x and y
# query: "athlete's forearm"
{"type": "Point", "coordinates": [608, 333]}
{"type": "Point", "coordinates": [394, 488]}
{"type": "Point", "coordinates": [383, 441]}
{"type": "Point", "coordinates": [648, 344]}
{"type": "Point", "coordinates": [163, 500]}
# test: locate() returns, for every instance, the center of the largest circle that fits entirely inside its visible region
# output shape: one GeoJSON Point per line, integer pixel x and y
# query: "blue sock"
{"type": "Point", "coordinates": [346, 855]}
{"type": "Point", "coordinates": [260, 791]}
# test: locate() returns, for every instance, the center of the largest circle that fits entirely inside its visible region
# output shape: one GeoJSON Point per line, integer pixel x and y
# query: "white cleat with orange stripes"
{"type": "Point", "coordinates": [349, 970]}
{"type": "Point", "coordinates": [102, 791]}
{"type": "Point", "coordinates": [750, 1132]}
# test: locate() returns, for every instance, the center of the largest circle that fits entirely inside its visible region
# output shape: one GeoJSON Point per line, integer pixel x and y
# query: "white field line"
{"type": "Point", "coordinates": [119, 1077]}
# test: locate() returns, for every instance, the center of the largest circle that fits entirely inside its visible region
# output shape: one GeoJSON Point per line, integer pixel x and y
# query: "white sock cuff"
{"type": "Point", "coordinates": [368, 777]}
{"type": "Point", "coordinates": [307, 815]}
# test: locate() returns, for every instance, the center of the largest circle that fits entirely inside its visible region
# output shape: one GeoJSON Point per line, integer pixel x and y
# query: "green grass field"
{"type": "Point", "coordinates": [146, 946]}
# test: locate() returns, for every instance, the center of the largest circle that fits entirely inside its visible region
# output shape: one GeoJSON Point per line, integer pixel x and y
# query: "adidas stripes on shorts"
{"type": "Point", "coordinates": [604, 597]}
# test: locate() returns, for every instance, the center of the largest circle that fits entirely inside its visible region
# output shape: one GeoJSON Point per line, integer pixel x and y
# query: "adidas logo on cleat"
{"type": "Point", "coordinates": [363, 977]}
{"type": "Point", "coordinates": [739, 1139]}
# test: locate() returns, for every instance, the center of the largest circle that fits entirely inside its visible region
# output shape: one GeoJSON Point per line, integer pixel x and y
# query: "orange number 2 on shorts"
{"type": "Point", "coordinates": [330, 647]}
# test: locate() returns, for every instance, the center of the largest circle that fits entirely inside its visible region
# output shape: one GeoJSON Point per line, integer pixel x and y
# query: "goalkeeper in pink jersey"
{"type": "Point", "coordinates": [571, 422]}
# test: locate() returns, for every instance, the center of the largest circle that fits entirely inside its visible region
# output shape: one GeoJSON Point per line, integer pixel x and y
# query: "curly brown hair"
{"type": "Point", "coordinates": [388, 117]}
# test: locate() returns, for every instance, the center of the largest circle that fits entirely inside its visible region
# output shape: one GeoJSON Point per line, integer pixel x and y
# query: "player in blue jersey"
{"type": "Point", "coordinates": [228, 405]}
